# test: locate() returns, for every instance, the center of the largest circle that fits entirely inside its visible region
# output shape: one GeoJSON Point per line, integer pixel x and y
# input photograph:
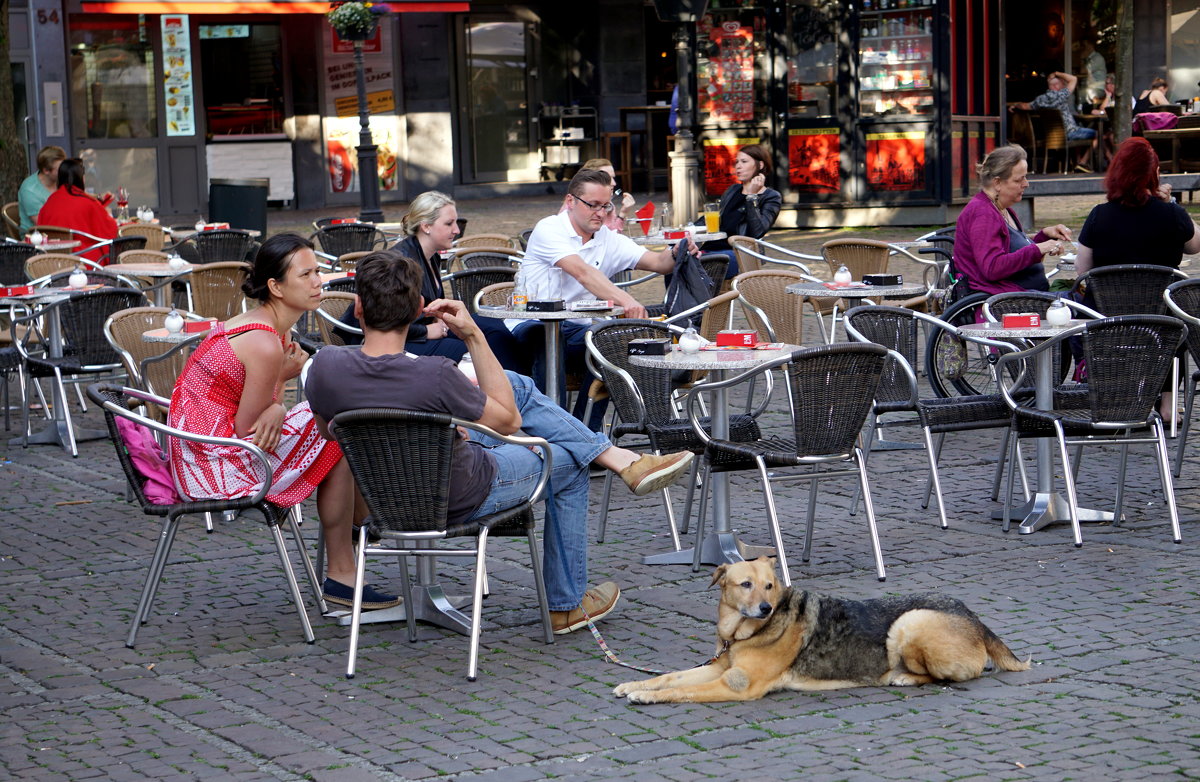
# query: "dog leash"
{"type": "Point", "coordinates": [612, 657]}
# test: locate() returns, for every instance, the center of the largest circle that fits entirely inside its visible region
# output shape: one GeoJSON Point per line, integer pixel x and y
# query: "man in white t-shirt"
{"type": "Point", "coordinates": [589, 254]}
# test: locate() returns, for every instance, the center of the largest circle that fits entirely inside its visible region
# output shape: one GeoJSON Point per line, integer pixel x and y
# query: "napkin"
{"type": "Point", "coordinates": [645, 213]}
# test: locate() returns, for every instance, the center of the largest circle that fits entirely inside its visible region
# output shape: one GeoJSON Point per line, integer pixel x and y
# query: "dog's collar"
{"type": "Point", "coordinates": [724, 648]}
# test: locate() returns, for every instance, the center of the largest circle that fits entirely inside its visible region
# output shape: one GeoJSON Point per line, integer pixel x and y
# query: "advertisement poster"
{"type": "Point", "coordinates": [718, 162]}
{"type": "Point", "coordinates": [729, 94]}
{"type": "Point", "coordinates": [177, 75]}
{"type": "Point", "coordinates": [814, 160]}
{"type": "Point", "coordinates": [896, 161]}
{"type": "Point", "coordinates": [341, 126]}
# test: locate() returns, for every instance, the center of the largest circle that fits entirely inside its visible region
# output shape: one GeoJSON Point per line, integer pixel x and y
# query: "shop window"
{"type": "Point", "coordinates": [112, 78]}
{"type": "Point", "coordinates": [241, 68]}
{"type": "Point", "coordinates": [732, 64]}
{"type": "Point", "coordinates": [812, 58]}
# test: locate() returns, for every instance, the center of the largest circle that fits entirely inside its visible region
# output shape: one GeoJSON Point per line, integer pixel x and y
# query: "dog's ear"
{"type": "Point", "coordinates": [718, 575]}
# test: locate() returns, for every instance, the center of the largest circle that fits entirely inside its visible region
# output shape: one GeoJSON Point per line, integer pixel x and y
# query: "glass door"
{"type": "Point", "coordinates": [816, 150]}
{"type": "Point", "coordinates": [494, 104]}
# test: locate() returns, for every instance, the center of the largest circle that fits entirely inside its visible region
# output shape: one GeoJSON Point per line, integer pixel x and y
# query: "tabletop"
{"type": "Point", "coordinates": [996, 329]}
{"type": "Point", "coordinates": [178, 235]}
{"type": "Point", "coordinates": [149, 269]}
{"type": "Point", "coordinates": [172, 337]}
{"type": "Point", "coordinates": [55, 245]}
{"type": "Point", "coordinates": [723, 358]}
{"type": "Point", "coordinates": [699, 238]}
{"type": "Point", "coordinates": [503, 312]}
{"type": "Point", "coordinates": [856, 291]}
{"type": "Point", "coordinates": [41, 294]}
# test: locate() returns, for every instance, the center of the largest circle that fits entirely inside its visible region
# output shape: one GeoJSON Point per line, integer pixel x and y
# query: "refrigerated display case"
{"type": "Point", "coordinates": [896, 60]}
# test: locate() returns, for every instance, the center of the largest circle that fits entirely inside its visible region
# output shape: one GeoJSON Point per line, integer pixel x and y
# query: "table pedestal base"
{"type": "Point", "coordinates": [718, 548]}
{"type": "Point", "coordinates": [893, 445]}
{"type": "Point", "coordinates": [431, 605]}
{"type": "Point", "coordinates": [1045, 509]}
{"type": "Point", "coordinates": [56, 434]}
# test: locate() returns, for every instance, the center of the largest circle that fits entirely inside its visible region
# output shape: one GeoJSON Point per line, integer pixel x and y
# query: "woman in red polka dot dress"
{"type": "Point", "coordinates": [231, 386]}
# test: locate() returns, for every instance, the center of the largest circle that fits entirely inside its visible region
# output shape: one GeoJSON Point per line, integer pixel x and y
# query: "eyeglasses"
{"type": "Point", "coordinates": [608, 207]}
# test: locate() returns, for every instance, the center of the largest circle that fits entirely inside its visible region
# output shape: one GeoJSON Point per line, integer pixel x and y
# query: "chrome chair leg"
{"type": "Point", "coordinates": [933, 474]}
{"type": "Point", "coordinates": [1187, 425]}
{"type": "Point", "coordinates": [773, 520]}
{"type": "Point", "coordinates": [1122, 471]}
{"type": "Point", "coordinates": [866, 490]}
{"type": "Point", "coordinates": [702, 517]}
{"type": "Point", "coordinates": [1069, 480]}
{"type": "Point", "coordinates": [1164, 470]}
{"type": "Point", "coordinates": [477, 605]}
{"type": "Point", "coordinates": [293, 586]}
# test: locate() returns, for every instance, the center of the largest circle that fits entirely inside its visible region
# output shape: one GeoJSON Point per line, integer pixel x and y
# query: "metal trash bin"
{"type": "Point", "coordinates": [240, 202]}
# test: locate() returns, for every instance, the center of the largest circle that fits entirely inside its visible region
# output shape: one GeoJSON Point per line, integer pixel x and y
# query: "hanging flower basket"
{"type": "Point", "coordinates": [355, 21]}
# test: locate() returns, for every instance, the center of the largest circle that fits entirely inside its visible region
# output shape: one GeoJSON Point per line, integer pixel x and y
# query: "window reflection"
{"type": "Point", "coordinates": [112, 78]}
{"type": "Point", "coordinates": [812, 58]}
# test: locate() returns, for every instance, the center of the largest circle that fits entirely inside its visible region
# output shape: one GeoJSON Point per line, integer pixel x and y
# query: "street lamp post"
{"type": "Point", "coordinates": [686, 190]}
{"type": "Point", "coordinates": [368, 177]}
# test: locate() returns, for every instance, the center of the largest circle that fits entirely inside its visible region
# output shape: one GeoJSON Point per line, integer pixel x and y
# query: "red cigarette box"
{"type": "Point", "coordinates": [16, 290]}
{"type": "Point", "coordinates": [674, 234]}
{"type": "Point", "coordinates": [215, 226]}
{"type": "Point", "coordinates": [197, 326]}
{"type": "Point", "coordinates": [343, 221]}
{"type": "Point", "coordinates": [737, 339]}
{"type": "Point", "coordinates": [1022, 320]}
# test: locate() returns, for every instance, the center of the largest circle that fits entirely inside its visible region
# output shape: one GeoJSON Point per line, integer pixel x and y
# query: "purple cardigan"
{"type": "Point", "coordinates": [981, 248]}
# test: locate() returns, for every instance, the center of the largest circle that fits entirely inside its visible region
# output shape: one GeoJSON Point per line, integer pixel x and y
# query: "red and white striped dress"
{"type": "Point", "coordinates": [205, 401]}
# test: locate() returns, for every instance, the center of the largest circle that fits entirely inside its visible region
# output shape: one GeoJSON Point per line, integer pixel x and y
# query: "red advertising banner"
{"type": "Point", "coordinates": [814, 160]}
{"type": "Point", "coordinates": [729, 95]}
{"type": "Point", "coordinates": [718, 162]}
{"type": "Point", "coordinates": [896, 161]}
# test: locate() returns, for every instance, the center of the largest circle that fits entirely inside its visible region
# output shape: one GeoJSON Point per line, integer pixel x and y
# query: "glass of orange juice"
{"type": "Point", "coordinates": [712, 217]}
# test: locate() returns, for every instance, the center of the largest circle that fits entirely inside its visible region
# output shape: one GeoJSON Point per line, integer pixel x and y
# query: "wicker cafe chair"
{"type": "Point", "coordinates": [860, 257]}
{"type": "Point", "coordinates": [348, 262]}
{"type": "Point", "coordinates": [832, 390]}
{"type": "Point", "coordinates": [488, 240]}
{"type": "Point", "coordinates": [116, 402]}
{"type": "Point", "coordinates": [401, 461]}
{"type": "Point", "coordinates": [13, 256]}
{"type": "Point", "coordinates": [641, 398]}
{"type": "Point", "coordinates": [468, 282]}
{"type": "Point", "coordinates": [222, 244]}
{"type": "Point", "coordinates": [777, 316]}
{"type": "Point", "coordinates": [94, 277]}
{"type": "Point", "coordinates": [333, 306]}
{"type": "Point", "coordinates": [217, 289]}
{"type": "Point", "coordinates": [1128, 358]}
{"type": "Point", "coordinates": [124, 330]}
{"type": "Point", "coordinates": [1128, 289]}
{"type": "Point", "coordinates": [494, 295]}
{"type": "Point", "coordinates": [142, 255]}
{"type": "Point", "coordinates": [337, 240]}
{"type": "Point", "coordinates": [85, 349]}
{"type": "Point", "coordinates": [42, 265]}
{"type": "Point", "coordinates": [899, 330]}
{"type": "Point", "coordinates": [153, 233]}
{"type": "Point", "coordinates": [715, 265]}
{"type": "Point", "coordinates": [122, 244]}
{"type": "Point", "coordinates": [484, 257]}
{"type": "Point", "coordinates": [12, 219]}
{"type": "Point", "coordinates": [1183, 300]}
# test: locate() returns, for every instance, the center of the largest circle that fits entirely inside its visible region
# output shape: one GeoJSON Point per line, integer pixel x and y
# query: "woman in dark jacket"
{"type": "Point", "coordinates": [749, 207]}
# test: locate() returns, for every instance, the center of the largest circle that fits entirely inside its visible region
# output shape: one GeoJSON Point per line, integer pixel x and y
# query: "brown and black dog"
{"type": "Point", "coordinates": [772, 639]}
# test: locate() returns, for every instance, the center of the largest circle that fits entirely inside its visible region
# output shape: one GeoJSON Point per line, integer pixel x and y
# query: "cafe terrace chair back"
{"type": "Point", "coordinates": [337, 240]}
{"type": "Point", "coordinates": [1128, 289]}
{"type": "Point", "coordinates": [124, 330]}
{"type": "Point", "coordinates": [1128, 358]}
{"type": "Point", "coordinates": [333, 306]}
{"type": "Point", "coordinates": [348, 262]}
{"type": "Point", "coordinates": [494, 295]}
{"type": "Point", "coordinates": [832, 390]}
{"type": "Point", "coordinates": [13, 256]}
{"type": "Point", "coordinates": [85, 351]}
{"type": "Point", "coordinates": [221, 244]}
{"type": "Point", "coordinates": [641, 398]}
{"type": "Point", "coordinates": [903, 332]}
{"type": "Point", "coordinates": [488, 240]}
{"type": "Point", "coordinates": [117, 402]}
{"type": "Point", "coordinates": [121, 245]}
{"type": "Point", "coordinates": [12, 219]}
{"type": "Point", "coordinates": [153, 233]}
{"type": "Point", "coordinates": [42, 265]}
{"type": "Point", "coordinates": [465, 284]}
{"type": "Point", "coordinates": [217, 289]}
{"type": "Point", "coordinates": [1183, 300]}
{"type": "Point", "coordinates": [401, 461]}
{"type": "Point", "coordinates": [753, 253]}
{"type": "Point", "coordinates": [1054, 139]}
{"type": "Point", "coordinates": [142, 256]}
{"type": "Point", "coordinates": [775, 314]}
{"type": "Point", "coordinates": [484, 257]}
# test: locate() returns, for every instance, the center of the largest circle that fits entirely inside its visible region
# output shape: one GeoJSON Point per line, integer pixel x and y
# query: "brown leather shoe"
{"type": "Point", "coordinates": [652, 472]}
{"type": "Point", "coordinates": [598, 602]}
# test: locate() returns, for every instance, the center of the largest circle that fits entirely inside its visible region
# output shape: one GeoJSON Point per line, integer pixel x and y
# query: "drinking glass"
{"type": "Point", "coordinates": [122, 205]}
{"type": "Point", "coordinates": [712, 217]}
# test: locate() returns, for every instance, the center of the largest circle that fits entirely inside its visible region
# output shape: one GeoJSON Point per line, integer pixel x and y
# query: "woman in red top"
{"type": "Point", "coordinates": [71, 206]}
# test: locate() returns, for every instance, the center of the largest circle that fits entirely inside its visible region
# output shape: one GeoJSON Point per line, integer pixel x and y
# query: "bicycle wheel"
{"type": "Point", "coordinates": [954, 366]}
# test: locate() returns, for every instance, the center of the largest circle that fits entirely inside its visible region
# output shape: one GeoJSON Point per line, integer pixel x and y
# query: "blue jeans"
{"type": "Point", "coordinates": [1082, 133]}
{"type": "Point", "coordinates": [573, 447]}
{"type": "Point", "coordinates": [531, 335]}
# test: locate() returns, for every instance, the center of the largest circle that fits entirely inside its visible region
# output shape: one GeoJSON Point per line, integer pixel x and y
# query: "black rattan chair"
{"type": "Point", "coordinates": [641, 398]}
{"type": "Point", "coordinates": [122, 244]}
{"type": "Point", "coordinates": [85, 349]}
{"type": "Point", "coordinates": [337, 240]}
{"type": "Point", "coordinates": [94, 277]}
{"type": "Point", "coordinates": [1127, 289]}
{"type": "Point", "coordinates": [12, 262]}
{"type": "Point", "coordinates": [117, 402]}
{"type": "Point", "coordinates": [222, 244]}
{"type": "Point", "coordinates": [468, 282]}
{"type": "Point", "coordinates": [1128, 358]}
{"type": "Point", "coordinates": [401, 462]}
{"type": "Point", "coordinates": [832, 390]}
{"type": "Point", "coordinates": [1183, 300]}
{"type": "Point", "coordinates": [899, 330]}
{"type": "Point", "coordinates": [481, 259]}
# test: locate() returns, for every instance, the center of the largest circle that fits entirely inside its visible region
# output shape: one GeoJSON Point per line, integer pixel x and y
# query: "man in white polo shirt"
{"type": "Point", "coordinates": [589, 254]}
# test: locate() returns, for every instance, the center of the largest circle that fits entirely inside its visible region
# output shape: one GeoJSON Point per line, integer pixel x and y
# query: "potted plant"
{"type": "Point", "coordinates": [355, 21]}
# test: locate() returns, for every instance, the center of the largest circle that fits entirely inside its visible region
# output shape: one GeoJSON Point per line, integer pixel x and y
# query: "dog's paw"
{"type": "Point", "coordinates": [621, 690]}
{"type": "Point", "coordinates": [643, 696]}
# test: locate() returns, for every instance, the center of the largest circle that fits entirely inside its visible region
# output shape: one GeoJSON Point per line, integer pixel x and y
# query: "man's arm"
{"type": "Point", "coordinates": [601, 287]}
{"type": "Point", "coordinates": [1069, 79]}
{"type": "Point", "coordinates": [500, 410]}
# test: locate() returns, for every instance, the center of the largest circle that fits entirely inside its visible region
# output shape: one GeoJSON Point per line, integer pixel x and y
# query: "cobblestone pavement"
{"type": "Point", "coordinates": [221, 684]}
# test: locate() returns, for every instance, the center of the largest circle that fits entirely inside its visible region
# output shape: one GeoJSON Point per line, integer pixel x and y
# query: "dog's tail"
{"type": "Point", "coordinates": [1001, 655]}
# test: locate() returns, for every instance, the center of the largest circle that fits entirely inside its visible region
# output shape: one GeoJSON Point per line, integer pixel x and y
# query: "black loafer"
{"type": "Point", "coordinates": [338, 593]}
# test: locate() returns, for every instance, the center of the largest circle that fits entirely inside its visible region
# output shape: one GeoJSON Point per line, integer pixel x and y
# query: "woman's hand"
{"type": "Point", "coordinates": [1059, 231]}
{"type": "Point", "coordinates": [436, 330]}
{"type": "Point", "coordinates": [294, 357]}
{"type": "Point", "coordinates": [756, 185]}
{"type": "Point", "coordinates": [1164, 191]}
{"type": "Point", "coordinates": [1051, 247]}
{"type": "Point", "coordinates": [265, 431]}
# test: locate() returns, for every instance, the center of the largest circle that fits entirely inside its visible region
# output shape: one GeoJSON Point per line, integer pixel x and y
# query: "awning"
{"type": "Point", "coordinates": [258, 6]}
